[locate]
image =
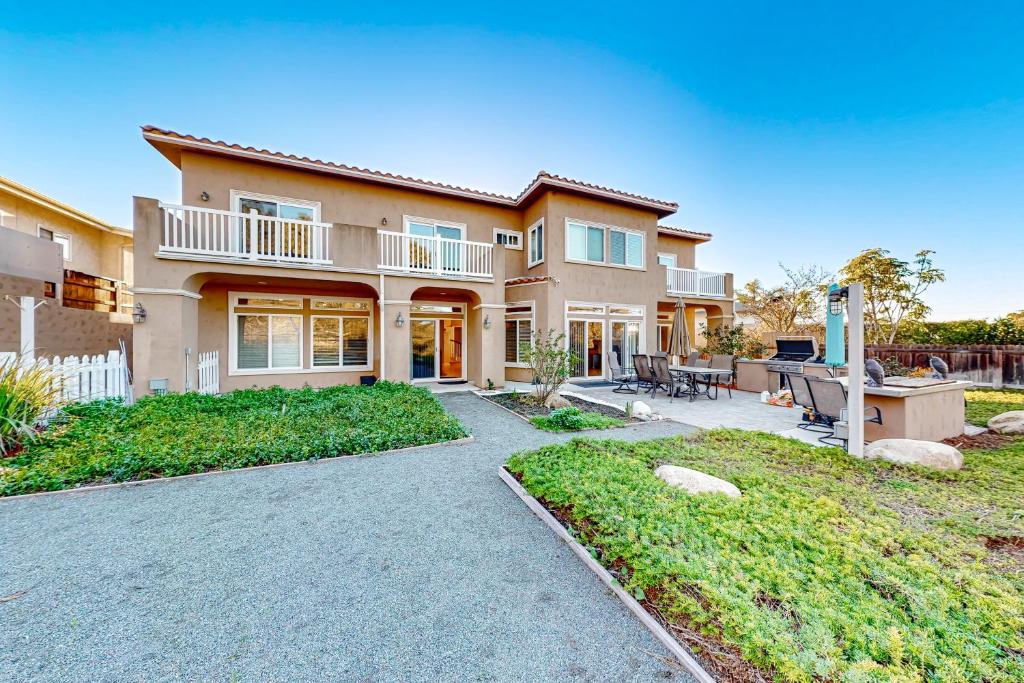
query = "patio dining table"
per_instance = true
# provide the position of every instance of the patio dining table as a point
(690, 372)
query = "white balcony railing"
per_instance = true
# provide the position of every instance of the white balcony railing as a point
(689, 282)
(191, 230)
(435, 255)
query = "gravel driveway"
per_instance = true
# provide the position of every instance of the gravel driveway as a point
(415, 566)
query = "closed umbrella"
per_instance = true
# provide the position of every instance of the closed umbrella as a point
(679, 339)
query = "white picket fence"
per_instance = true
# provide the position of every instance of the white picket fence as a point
(87, 378)
(209, 373)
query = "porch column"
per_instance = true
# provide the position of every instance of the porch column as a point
(486, 350)
(394, 345)
(161, 342)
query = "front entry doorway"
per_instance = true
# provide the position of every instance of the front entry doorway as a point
(437, 345)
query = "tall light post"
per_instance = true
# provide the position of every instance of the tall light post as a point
(854, 296)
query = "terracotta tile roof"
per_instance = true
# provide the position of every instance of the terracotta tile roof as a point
(526, 280)
(157, 136)
(683, 232)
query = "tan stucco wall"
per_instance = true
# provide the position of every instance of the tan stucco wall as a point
(93, 251)
(684, 249)
(26, 256)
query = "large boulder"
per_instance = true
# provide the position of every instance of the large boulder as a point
(641, 410)
(938, 456)
(556, 401)
(1011, 422)
(693, 481)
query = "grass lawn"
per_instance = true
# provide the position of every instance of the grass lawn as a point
(106, 441)
(984, 404)
(827, 568)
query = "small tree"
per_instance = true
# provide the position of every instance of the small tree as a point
(792, 307)
(732, 341)
(892, 290)
(551, 361)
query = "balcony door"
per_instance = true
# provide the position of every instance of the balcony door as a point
(273, 237)
(426, 253)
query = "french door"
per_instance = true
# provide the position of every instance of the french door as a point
(626, 342)
(437, 349)
(586, 340)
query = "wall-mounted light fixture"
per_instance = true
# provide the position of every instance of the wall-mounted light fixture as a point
(139, 313)
(384, 220)
(205, 196)
(487, 322)
(399, 320)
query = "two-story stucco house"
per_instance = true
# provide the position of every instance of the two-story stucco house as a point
(298, 271)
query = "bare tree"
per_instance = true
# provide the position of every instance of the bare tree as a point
(794, 306)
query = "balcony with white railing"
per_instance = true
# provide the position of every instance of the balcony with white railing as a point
(196, 232)
(437, 256)
(690, 282)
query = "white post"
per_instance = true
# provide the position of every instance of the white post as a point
(28, 329)
(253, 250)
(855, 307)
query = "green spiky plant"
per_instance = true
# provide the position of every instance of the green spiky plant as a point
(27, 391)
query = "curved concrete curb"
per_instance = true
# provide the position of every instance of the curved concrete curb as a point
(691, 665)
(212, 473)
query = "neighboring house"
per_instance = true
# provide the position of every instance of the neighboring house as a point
(79, 265)
(298, 271)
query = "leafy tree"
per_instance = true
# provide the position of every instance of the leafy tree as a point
(1017, 317)
(892, 290)
(732, 341)
(551, 361)
(792, 307)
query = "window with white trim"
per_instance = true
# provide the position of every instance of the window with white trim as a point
(426, 227)
(510, 239)
(603, 244)
(276, 207)
(59, 238)
(535, 242)
(518, 332)
(668, 260)
(341, 333)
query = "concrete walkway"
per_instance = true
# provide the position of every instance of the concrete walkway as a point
(414, 566)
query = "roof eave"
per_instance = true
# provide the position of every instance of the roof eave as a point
(51, 204)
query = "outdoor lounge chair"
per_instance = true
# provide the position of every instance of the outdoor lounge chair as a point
(802, 397)
(830, 403)
(663, 377)
(720, 361)
(644, 376)
(623, 379)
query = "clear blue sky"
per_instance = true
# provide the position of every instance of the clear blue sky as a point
(795, 133)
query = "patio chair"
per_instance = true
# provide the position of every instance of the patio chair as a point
(722, 361)
(644, 376)
(663, 377)
(623, 379)
(692, 359)
(829, 399)
(659, 354)
(802, 397)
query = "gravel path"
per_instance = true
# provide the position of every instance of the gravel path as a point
(415, 566)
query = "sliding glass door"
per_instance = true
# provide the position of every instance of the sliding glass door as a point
(586, 340)
(424, 353)
(626, 342)
(437, 348)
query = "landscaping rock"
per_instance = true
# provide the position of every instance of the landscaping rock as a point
(1011, 422)
(556, 401)
(693, 481)
(641, 410)
(938, 456)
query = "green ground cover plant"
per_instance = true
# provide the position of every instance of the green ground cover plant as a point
(573, 419)
(984, 404)
(162, 436)
(828, 568)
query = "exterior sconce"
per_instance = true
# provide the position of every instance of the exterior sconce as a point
(487, 322)
(138, 313)
(205, 196)
(399, 320)
(835, 300)
(384, 220)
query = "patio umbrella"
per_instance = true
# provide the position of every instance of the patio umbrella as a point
(679, 339)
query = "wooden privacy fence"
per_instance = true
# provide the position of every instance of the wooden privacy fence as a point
(87, 378)
(209, 373)
(994, 365)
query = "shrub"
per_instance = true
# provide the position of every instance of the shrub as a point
(551, 361)
(26, 392)
(732, 340)
(162, 436)
(1008, 330)
(572, 419)
(569, 418)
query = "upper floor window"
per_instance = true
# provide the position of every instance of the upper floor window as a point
(425, 227)
(277, 207)
(510, 239)
(63, 240)
(595, 243)
(667, 260)
(535, 241)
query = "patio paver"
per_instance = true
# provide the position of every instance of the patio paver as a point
(413, 566)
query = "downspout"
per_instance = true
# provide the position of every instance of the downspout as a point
(380, 317)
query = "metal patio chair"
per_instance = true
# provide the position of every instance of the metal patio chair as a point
(802, 397)
(663, 377)
(830, 402)
(623, 379)
(644, 376)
